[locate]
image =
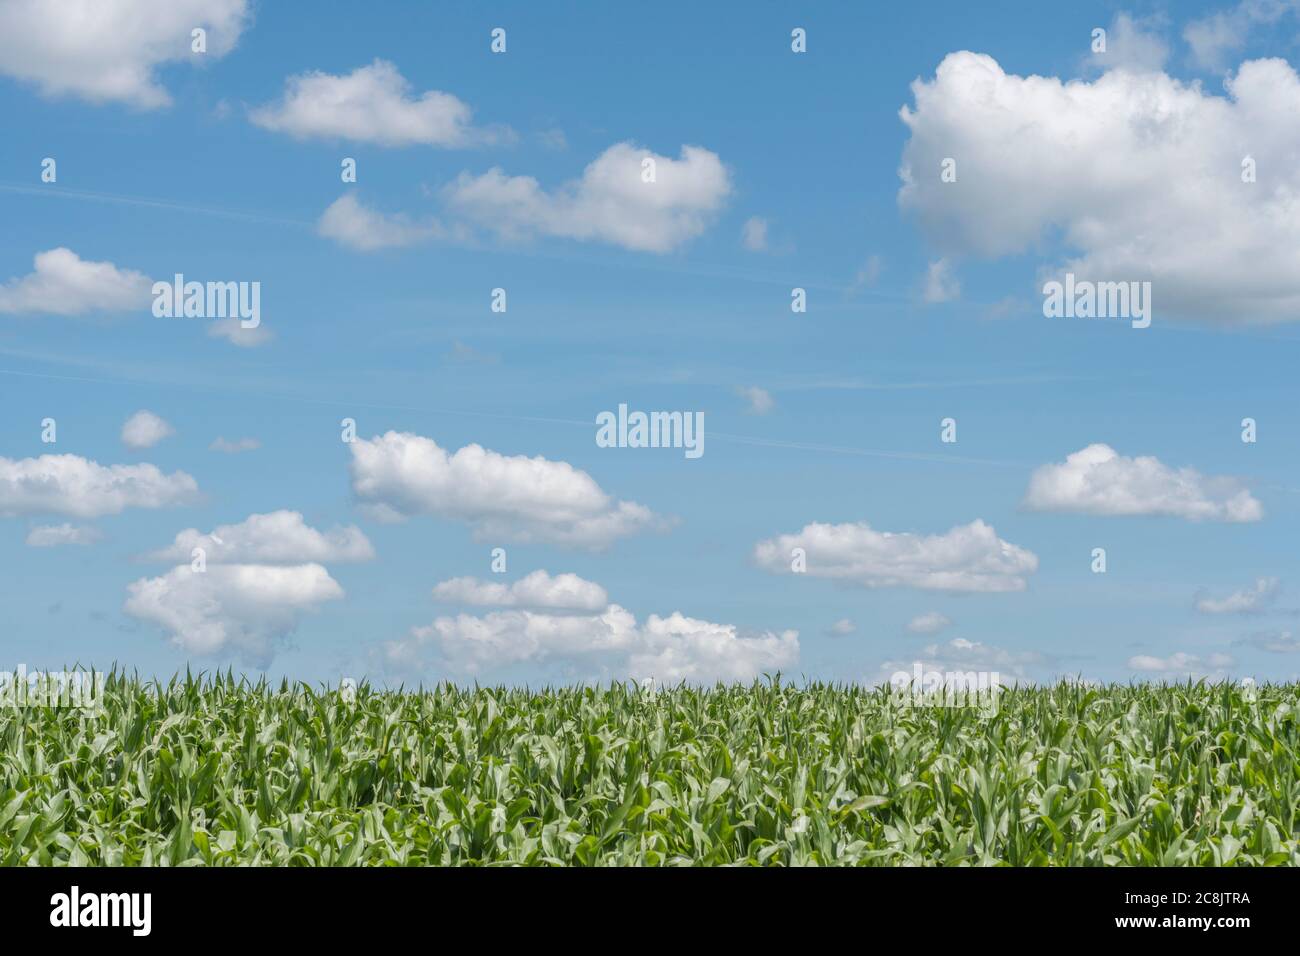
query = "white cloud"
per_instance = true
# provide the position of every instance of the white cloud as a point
(1247, 601)
(962, 656)
(609, 644)
(351, 223)
(753, 234)
(1098, 480)
(512, 497)
(940, 284)
(1183, 665)
(1132, 45)
(232, 330)
(51, 536)
(372, 104)
(610, 203)
(76, 486)
(967, 558)
(1216, 37)
(144, 429)
(279, 537)
(1147, 186)
(842, 627)
(932, 622)
(231, 609)
(65, 284)
(1275, 642)
(759, 399)
(109, 50)
(234, 447)
(536, 590)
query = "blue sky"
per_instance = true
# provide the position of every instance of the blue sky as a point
(922, 305)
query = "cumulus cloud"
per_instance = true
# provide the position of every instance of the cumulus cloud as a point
(351, 223)
(759, 399)
(1183, 665)
(65, 284)
(372, 104)
(398, 475)
(967, 558)
(607, 644)
(536, 590)
(962, 656)
(234, 447)
(54, 535)
(109, 50)
(278, 537)
(144, 429)
(1137, 174)
(1132, 44)
(1246, 601)
(932, 622)
(1098, 480)
(81, 488)
(243, 610)
(753, 234)
(610, 203)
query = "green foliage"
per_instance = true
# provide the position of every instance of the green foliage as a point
(218, 772)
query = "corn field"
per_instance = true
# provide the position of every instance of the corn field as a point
(218, 771)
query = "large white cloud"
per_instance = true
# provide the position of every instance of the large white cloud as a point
(1137, 174)
(279, 537)
(608, 644)
(1098, 480)
(144, 429)
(967, 558)
(76, 486)
(372, 104)
(611, 202)
(535, 590)
(398, 475)
(242, 610)
(65, 284)
(109, 50)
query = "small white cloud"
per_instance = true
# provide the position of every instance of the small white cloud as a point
(279, 537)
(1133, 44)
(842, 627)
(144, 429)
(967, 558)
(1183, 665)
(351, 223)
(51, 536)
(612, 202)
(536, 590)
(932, 622)
(1275, 642)
(81, 488)
(372, 104)
(234, 447)
(940, 283)
(65, 284)
(1098, 480)
(959, 657)
(759, 399)
(399, 475)
(753, 234)
(233, 331)
(1246, 601)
